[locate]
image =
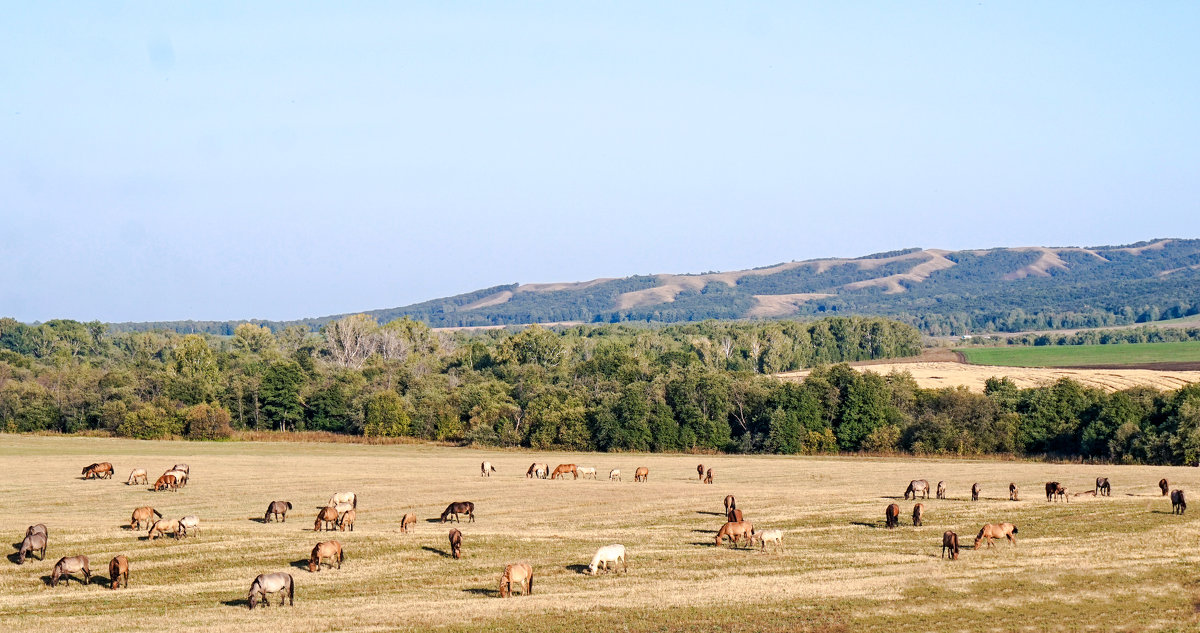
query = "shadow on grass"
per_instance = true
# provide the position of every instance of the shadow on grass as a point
(71, 579)
(261, 520)
(437, 551)
(479, 591)
(579, 569)
(300, 564)
(434, 521)
(1161, 512)
(711, 514)
(240, 602)
(873, 526)
(16, 556)
(704, 531)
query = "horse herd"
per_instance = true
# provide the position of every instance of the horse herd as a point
(538, 470)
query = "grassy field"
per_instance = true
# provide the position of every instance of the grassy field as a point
(1119, 563)
(1085, 355)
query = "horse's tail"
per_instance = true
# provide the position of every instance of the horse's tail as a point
(531, 581)
(1014, 529)
(354, 501)
(156, 513)
(291, 591)
(289, 504)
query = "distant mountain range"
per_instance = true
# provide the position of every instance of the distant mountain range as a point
(939, 291)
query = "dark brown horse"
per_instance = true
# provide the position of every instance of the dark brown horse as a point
(1164, 486)
(277, 510)
(1052, 490)
(891, 516)
(102, 470)
(730, 503)
(563, 469)
(918, 514)
(329, 516)
(1012, 492)
(1178, 503)
(975, 490)
(68, 565)
(118, 568)
(734, 516)
(950, 543)
(700, 471)
(1103, 488)
(455, 543)
(708, 476)
(464, 507)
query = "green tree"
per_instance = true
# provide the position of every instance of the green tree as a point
(385, 414)
(281, 403)
(196, 375)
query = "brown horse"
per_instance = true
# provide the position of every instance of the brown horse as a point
(1012, 492)
(516, 575)
(708, 476)
(975, 490)
(163, 527)
(950, 543)
(700, 471)
(68, 565)
(144, 514)
(329, 516)
(736, 531)
(347, 519)
(941, 490)
(641, 474)
(995, 531)
(407, 522)
(730, 503)
(465, 507)
(891, 516)
(1052, 488)
(118, 568)
(277, 510)
(918, 513)
(1164, 486)
(537, 469)
(33, 542)
(563, 469)
(1103, 488)
(1178, 503)
(734, 516)
(331, 550)
(102, 470)
(455, 543)
(167, 482)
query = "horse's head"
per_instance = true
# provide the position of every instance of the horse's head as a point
(313, 562)
(252, 600)
(978, 540)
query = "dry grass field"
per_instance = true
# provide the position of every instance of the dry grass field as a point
(938, 374)
(1095, 564)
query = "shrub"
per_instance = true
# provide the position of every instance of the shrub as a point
(150, 423)
(207, 422)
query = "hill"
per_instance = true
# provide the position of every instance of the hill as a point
(941, 292)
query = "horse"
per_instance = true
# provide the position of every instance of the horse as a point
(941, 490)
(347, 518)
(1012, 492)
(607, 557)
(539, 470)
(40, 528)
(407, 522)
(730, 503)
(700, 471)
(614, 474)
(1061, 492)
(518, 575)
(708, 476)
(344, 497)
(166, 482)
(135, 475)
(891, 516)
(68, 565)
(736, 531)
(187, 470)
(118, 568)
(266, 584)
(641, 474)
(917, 487)
(181, 476)
(1178, 503)
(102, 470)
(189, 522)
(35, 542)
(733, 516)
(1162, 485)
(918, 513)
(455, 543)
(459, 506)
(950, 543)
(343, 508)
(327, 515)
(162, 527)
(584, 472)
(144, 514)
(995, 531)
(1051, 490)
(1103, 488)
(563, 469)
(975, 490)
(277, 510)
(327, 549)
(769, 536)
(486, 469)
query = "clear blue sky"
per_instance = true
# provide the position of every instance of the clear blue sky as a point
(210, 160)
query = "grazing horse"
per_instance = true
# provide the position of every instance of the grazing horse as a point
(891, 516)
(614, 474)
(68, 565)
(1163, 485)
(188, 523)
(700, 472)
(769, 536)
(1178, 503)
(187, 470)
(1051, 490)
(950, 543)
(455, 543)
(941, 490)
(708, 476)
(266, 584)
(585, 472)
(733, 516)
(181, 476)
(40, 528)
(975, 490)
(35, 542)
(516, 575)
(486, 469)
(607, 558)
(407, 522)
(1062, 495)
(539, 470)
(102, 470)
(144, 514)
(641, 474)
(162, 527)
(277, 510)
(918, 513)
(730, 503)
(166, 482)
(563, 469)
(344, 497)
(331, 550)
(1012, 492)
(736, 531)
(347, 518)
(465, 507)
(118, 568)
(137, 475)
(329, 516)
(995, 531)
(1103, 488)
(917, 487)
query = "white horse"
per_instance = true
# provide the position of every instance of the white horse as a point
(343, 508)
(584, 472)
(267, 584)
(614, 474)
(135, 475)
(769, 536)
(607, 556)
(187, 523)
(344, 497)
(486, 469)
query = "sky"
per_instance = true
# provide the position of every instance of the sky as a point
(229, 160)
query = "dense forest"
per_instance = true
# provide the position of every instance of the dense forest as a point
(693, 387)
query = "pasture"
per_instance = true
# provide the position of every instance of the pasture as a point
(1117, 563)
(1132, 354)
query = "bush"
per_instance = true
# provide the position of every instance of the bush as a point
(385, 415)
(207, 422)
(150, 423)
